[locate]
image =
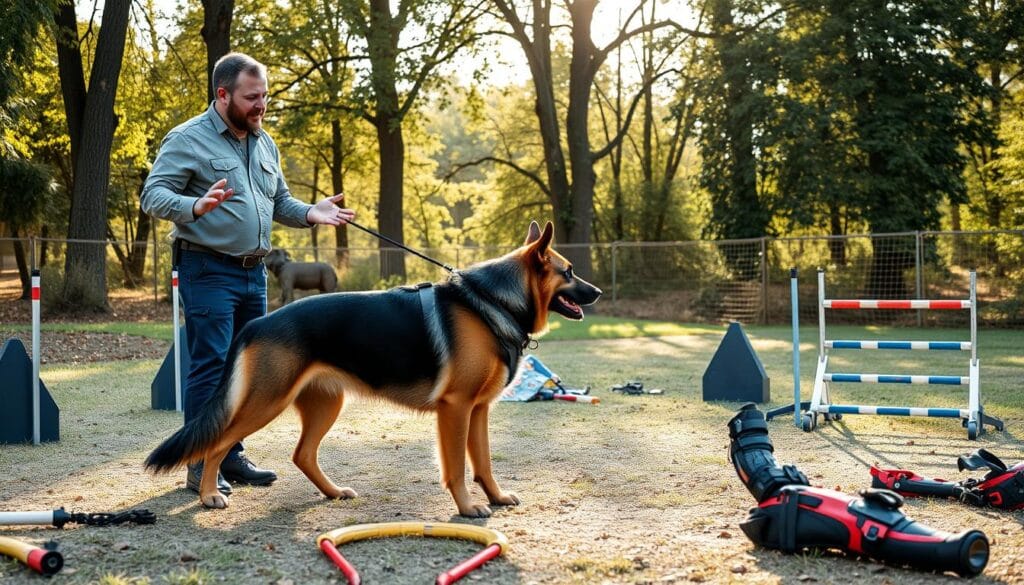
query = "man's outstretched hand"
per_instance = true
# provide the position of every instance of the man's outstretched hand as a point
(326, 212)
(213, 198)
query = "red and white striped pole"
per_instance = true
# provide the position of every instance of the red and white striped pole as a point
(36, 350)
(177, 346)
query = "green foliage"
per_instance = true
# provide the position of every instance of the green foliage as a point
(854, 111)
(740, 71)
(21, 23)
(24, 187)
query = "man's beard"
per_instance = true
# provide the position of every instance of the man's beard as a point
(239, 119)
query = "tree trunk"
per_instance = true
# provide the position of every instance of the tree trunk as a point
(85, 281)
(383, 48)
(579, 216)
(538, 56)
(44, 246)
(314, 194)
(23, 273)
(389, 209)
(140, 244)
(836, 246)
(750, 220)
(341, 253)
(137, 252)
(72, 78)
(216, 31)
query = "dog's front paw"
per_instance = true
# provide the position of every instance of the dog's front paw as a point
(341, 494)
(215, 500)
(475, 511)
(505, 499)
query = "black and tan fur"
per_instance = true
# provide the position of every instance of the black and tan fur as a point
(449, 349)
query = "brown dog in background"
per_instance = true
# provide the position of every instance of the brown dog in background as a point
(448, 348)
(299, 275)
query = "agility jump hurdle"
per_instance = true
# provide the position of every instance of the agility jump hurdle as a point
(972, 417)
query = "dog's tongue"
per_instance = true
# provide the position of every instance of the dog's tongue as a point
(576, 308)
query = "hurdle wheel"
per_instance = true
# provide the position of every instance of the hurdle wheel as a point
(809, 421)
(972, 430)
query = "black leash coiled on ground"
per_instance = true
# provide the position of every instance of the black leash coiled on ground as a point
(104, 518)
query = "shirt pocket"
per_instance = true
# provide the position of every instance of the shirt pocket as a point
(226, 168)
(269, 178)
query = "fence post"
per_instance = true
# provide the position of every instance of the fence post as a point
(918, 268)
(764, 280)
(615, 246)
(34, 264)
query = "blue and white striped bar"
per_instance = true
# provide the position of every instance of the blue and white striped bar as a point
(896, 411)
(898, 379)
(926, 345)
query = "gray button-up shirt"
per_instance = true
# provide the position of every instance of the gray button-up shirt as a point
(200, 152)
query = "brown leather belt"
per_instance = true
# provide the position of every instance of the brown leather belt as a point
(247, 261)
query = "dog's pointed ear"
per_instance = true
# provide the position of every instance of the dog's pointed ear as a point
(532, 234)
(542, 241)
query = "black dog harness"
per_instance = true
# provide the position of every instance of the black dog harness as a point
(512, 349)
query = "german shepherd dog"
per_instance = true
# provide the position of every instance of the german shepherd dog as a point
(448, 348)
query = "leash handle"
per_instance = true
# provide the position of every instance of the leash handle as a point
(400, 245)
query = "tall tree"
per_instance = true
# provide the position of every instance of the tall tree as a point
(645, 190)
(443, 30)
(312, 87)
(91, 123)
(570, 176)
(883, 87)
(999, 44)
(216, 31)
(742, 64)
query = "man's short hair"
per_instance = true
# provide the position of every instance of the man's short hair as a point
(227, 69)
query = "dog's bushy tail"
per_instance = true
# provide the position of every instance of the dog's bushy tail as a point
(192, 441)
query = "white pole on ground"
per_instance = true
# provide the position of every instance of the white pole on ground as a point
(177, 346)
(796, 346)
(26, 518)
(36, 350)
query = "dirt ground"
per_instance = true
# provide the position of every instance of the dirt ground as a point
(635, 490)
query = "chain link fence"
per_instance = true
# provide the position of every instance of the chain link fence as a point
(694, 281)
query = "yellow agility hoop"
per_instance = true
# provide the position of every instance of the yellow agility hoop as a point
(495, 543)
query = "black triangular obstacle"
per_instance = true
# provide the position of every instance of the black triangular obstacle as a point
(735, 372)
(161, 391)
(16, 398)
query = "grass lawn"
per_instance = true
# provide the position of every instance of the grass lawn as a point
(634, 490)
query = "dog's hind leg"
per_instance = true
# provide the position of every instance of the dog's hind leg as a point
(453, 433)
(265, 380)
(479, 449)
(209, 495)
(318, 407)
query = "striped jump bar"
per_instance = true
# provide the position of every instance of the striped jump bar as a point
(898, 379)
(897, 411)
(928, 345)
(915, 304)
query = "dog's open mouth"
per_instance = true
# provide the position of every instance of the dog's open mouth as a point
(566, 307)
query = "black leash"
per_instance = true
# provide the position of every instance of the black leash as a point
(109, 519)
(400, 245)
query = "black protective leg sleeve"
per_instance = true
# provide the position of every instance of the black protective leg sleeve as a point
(908, 483)
(793, 516)
(1002, 486)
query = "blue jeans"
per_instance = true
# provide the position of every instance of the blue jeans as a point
(219, 298)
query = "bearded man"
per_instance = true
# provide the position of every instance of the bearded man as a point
(218, 178)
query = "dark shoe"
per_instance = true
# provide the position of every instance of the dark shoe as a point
(195, 474)
(239, 469)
